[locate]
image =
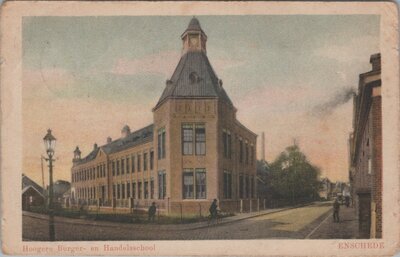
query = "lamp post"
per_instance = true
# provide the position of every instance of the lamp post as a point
(50, 144)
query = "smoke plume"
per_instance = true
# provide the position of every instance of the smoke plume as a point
(328, 107)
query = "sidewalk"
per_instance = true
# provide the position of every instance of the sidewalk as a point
(347, 228)
(159, 227)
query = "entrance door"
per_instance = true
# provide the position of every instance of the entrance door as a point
(364, 215)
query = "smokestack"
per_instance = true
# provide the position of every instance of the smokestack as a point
(262, 146)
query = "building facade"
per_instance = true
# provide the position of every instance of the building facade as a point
(195, 150)
(366, 152)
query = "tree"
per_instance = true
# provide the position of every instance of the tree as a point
(292, 178)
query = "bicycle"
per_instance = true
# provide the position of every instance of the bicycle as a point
(213, 220)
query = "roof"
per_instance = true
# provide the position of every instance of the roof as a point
(135, 138)
(27, 182)
(194, 25)
(194, 77)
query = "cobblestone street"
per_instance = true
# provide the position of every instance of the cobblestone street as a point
(304, 222)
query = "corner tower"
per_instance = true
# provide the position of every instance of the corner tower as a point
(190, 120)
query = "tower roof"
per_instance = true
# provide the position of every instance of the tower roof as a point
(194, 25)
(194, 76)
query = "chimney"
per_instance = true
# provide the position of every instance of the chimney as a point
(95, 146)
(262, 146)
(375, 60)
(109, 140)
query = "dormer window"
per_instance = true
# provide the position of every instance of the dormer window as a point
(194, 78)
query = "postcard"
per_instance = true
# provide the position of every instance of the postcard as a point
(200, 128)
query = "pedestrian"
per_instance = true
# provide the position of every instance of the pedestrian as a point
(347, 200)
(336, 208)
(152, 212)
(213, 209)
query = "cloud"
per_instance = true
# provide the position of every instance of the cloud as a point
(353, 50)
(160, 63)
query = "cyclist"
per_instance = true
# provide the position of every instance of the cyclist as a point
(214, 209)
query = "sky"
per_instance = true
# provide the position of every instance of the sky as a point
(290, 77)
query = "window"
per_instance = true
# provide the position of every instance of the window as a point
(97, 171)
(127, 165)
(144, 161)
(152, 188)
(226, 140)
(247, 187)
(104, 170)
(118, 191)
(194, 184)
(123, 166)
(200, 139)
(133, 163)
(193, 133)
(138, 163)
(241, 186)
(162, 185)
(201, 183)
(151, 160)
(187, 139)
(123, 191)
(247, 153)
(240, 150)
(133, 190)
(188, 184)
(252, 187)
(139, 190)
(146, 190)
(369, 165)
(161, 143)
(227, 185)
(118, 167)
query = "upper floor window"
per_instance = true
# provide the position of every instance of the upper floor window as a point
(247, 153)
(113, 168)
(151, 160)
(193, 138)
(138, 163)
(122, 166)
(145, 161)
(226, 140)
(161, 143)
(133, 163)
(187, 139)
(240, 150)
(127, 165)
(200, 139)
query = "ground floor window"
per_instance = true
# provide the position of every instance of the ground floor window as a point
(227, 185)
(241, 186)
(162, 185)
(128, 190)
(152, 189)
(114, 193)
(123, 191)
(133, 190)
(247, 187)
(194, 184)
(139, 190)
(146, 190)
(118, 191)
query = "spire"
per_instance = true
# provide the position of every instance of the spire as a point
(194, 75)
(193, 38)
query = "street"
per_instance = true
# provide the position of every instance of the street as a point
(312, 221)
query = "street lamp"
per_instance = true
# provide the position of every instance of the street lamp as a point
(50, 144)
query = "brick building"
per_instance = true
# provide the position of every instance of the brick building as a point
(366, 152)
(195, 150)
